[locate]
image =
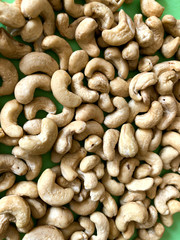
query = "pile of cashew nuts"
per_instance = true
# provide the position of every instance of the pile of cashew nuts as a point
(107, 179)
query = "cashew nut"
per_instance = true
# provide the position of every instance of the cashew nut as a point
(84, 208)
(99, 82)
(79, 56)
(171, 25)
(170, 46)
(151, 8)
(146, 63)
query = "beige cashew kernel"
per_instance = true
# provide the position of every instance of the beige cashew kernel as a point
(73, 227)
(73, 9)
(113, 5)
(110, 207)
(170, 46)
(110, 139)
(99, 82)
(85, 36)
(155, 232)
(98, 193)
(135, 108)
(24, 90)
(143, 138)
(7, 180)
(129, 196)
(131, 51)
(113, 231)
(170, 179)
(79, 235)
(56, 4)
(122, 33)
(146, 63)
(9, 115)
(87, 224)
(171, 25)
(84, 208)
(59, 85)
(33, 126)
(119, 87)
(75, 184)
(151, 8)
(143, 184)
(37, 206)
(61, 47)
(105, 103)
(171, 139)
(79, 56)
(89, 178)
(113, 167)
(89, 162)
(151, 193)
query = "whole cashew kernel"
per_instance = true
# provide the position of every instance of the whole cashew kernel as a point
(170, 179)
(146, 63)
(153, 233)
(171, 139)
(87, 224)
(7, 180)
(170, 46)
(171, 25)
(110, 139)
(73, 9)
(79, 56)
(99, 82)
(84, 208)
(37, 206)
(135, 108)
(88, 163)
(151, 8)
(119, 87)
(105, 103)
(143, 184)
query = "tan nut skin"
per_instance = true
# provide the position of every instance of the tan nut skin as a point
(102, 226)
(146, 63)
(131, 211)
(163, 196)
(56, 4)
(11, 16)
(18, 208)
(9, 115)
(172, 139)
(42, 143)
(85, 36)
(61, 47)
(44, 232)
(84, 208)
(156, 26)
(34, 163)
(99, 82)
(127, 144)
(135, 108)
(87, 112)
(77, 87)
(63, 118)
(171, 25)
(79, 56)
(143, 35)
(9, 76)
(65, 28)
(37, 206)
(119, 87)
(120, 115)
(11, 48)
(101, 12)
(122, 33)
(151, 8)
(59, 217)
(114, 56)
(64, 140)
(110, 140)
(100, 65)
(59, 84)
(50, 192)
(38, 62)
(7, 180)
(43, 8)
(140, 82)
(170, 46)
(151, 118)
(92, 127)
(170, 110)
(24, 90)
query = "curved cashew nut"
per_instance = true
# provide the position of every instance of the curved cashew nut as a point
(119, 87)
(151, 118)
(110, 140)
(89, 111)
(30, 83)
(59, 85)
(170, 46)
(143, 184)
(87, 224)
(114, 56)
(122, 33)
(135, 108)
(101, 12)
(105, 103)
(9, 115)
(151, 8)
(7, 180)
(61, 47)
(99, 82)
(73, 9)
(131, 211)
(11, 48)
(171, 139)
(59, 217)
(64, 27)
(79, 235)
(143, 35)
(146, 63)
(151, 193)
(37, 206)
(69, 163)
(89, 162)
(155, 233)
(79, 56)
(63, 118)
(38, 62)
(9, 76)
(33, 126)
(156, 27)
(170, 179)
(77, 87)
(110, 207)
(140, 82)
(73, 227)
(42, 143)
(102, 226)
(142, 171)
(120, 115)
(127, 144)
(171, 25)
(113, 166)
(34, 163)
(101, 65)
(163, 196)
(39, 103)
(85, 36)
(43, 232)
(98, 193)
(156, 140)
(43, 8)
(143, 138)
(64, 139)
(132, 197)
(85, 207)
(89, 178)
(75, 184)
(170, 109)
(18, 208)
(131, 51)
(175, 125)
(166, 66)
(24, 189)
(92, 127)
(50, 192)
(168, 154)
(11, 233)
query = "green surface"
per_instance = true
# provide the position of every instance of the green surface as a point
(171, 7)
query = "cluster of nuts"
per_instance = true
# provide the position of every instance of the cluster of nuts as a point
(102, 160)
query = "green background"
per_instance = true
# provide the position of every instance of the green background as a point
(171, 7)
